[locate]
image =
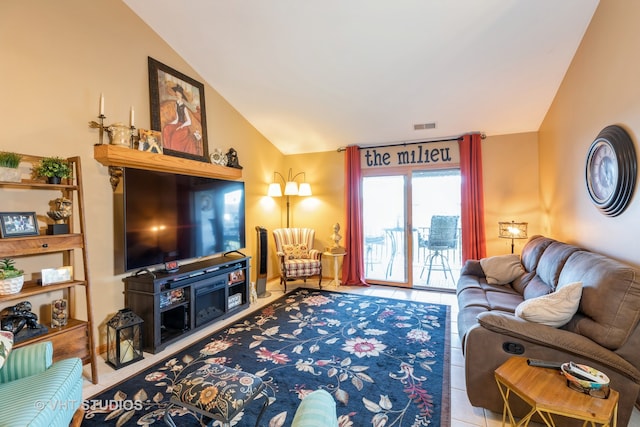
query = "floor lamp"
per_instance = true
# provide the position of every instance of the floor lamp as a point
(512, 230)
(291, 187)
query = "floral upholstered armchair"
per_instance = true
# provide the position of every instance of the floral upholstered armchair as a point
(297, 258)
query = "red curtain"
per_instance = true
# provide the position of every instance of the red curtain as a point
(472, 215)
(353, 263)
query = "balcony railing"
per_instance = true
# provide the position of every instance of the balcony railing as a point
(385, 260)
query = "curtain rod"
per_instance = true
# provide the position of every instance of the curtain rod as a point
(482, 136)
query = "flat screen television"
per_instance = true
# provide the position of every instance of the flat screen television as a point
(172, 217)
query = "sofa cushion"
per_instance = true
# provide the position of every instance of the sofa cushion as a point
(554, 309)
(610, 298)
(502, 269)
(548, 269)
(6, 344)
(552, 261)
(531, 253)
(536, 288)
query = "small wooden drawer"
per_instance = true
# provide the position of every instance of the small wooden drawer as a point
(74, 342)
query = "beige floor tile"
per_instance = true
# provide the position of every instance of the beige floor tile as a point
(461, 409)
(458, 423)
(492, 419)
(424, 296)
(455, 339)
(457, 359)
(495, 420)
(457, 377)
(449, 299)
(635, 418)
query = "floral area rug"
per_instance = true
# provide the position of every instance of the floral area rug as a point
(385, 362)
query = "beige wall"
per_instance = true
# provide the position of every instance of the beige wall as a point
(57, 57)
(601, 87)
(510, 174)
(324, 171)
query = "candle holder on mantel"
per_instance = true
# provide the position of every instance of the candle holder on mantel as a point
(119, 133)
(95, 125)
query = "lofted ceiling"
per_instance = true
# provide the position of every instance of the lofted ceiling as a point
(314, 75)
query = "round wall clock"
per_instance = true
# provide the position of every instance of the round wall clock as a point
(611, 170)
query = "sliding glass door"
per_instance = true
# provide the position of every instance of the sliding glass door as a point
(435, 207)
(400, 245)
(384, 219)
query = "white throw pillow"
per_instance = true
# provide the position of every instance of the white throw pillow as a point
(554, 309)
(502, 269)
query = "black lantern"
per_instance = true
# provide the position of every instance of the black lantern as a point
(124, 338)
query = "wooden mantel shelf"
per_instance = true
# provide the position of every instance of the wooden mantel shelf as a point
(113, 155)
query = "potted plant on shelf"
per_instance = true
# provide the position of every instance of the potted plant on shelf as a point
(11, 279)
(53, 168)
(9, 163)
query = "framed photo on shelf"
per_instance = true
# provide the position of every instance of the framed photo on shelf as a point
(56, 275)
(150, 141)
(178, 112)
(17, 224)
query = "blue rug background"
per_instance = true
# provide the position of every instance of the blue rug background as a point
(385, 361)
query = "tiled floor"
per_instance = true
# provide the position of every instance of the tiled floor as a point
(463, 414)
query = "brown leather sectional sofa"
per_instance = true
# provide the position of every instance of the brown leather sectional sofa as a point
(604, 333)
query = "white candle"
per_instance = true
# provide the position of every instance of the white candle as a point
(101, 104)
(126, 351)
(131, 118)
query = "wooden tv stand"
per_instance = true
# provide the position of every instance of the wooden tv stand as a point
(174, 305)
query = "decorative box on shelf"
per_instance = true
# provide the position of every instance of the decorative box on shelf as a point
(171, 297)
(234, 300)
(236, 276)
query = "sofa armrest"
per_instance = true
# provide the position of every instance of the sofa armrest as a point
(315, 254)
(558, 339)
(317, 409)
(472, 267)
(26, 361)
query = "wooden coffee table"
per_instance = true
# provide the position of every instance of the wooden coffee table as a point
(546, 391)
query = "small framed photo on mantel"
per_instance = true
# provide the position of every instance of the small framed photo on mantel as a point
(18, 224)
(150, 141)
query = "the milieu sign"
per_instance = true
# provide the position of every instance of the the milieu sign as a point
(425, 154)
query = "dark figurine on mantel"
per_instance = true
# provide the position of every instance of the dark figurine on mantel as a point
(16, 317)
(232, 159)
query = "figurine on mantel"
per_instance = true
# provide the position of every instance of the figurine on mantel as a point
(335, 238)
(232, 159)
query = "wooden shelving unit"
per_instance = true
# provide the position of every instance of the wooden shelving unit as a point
(76, 338)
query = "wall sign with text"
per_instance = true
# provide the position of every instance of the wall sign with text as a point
(425, 154)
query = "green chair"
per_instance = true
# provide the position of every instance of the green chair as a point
(317, 409)
(37, 392)
(443, 236)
